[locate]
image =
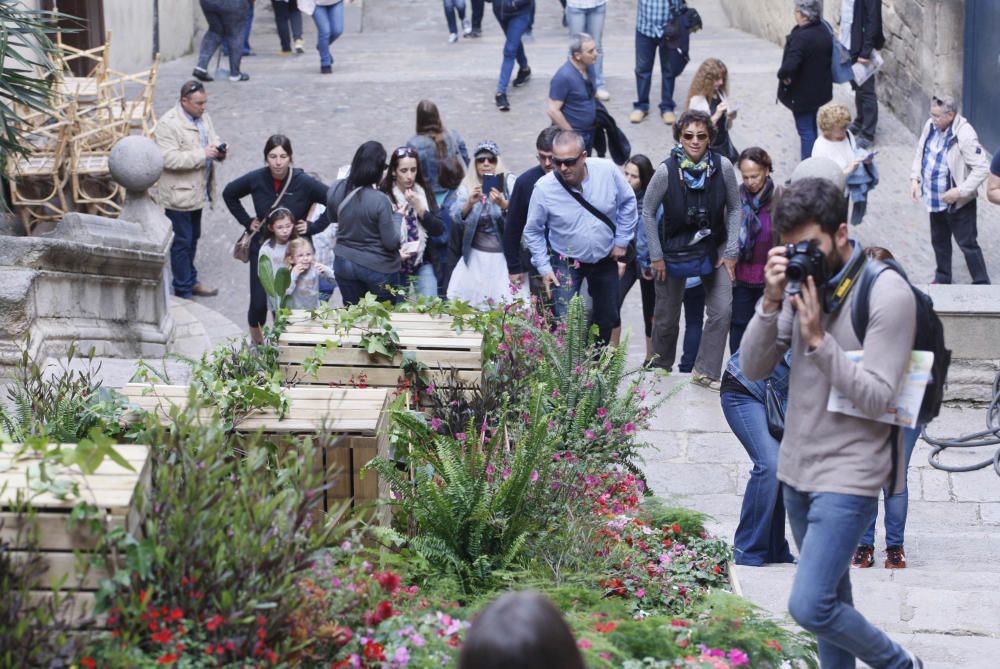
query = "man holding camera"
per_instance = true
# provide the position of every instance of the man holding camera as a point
(187, 138)
(831, 465)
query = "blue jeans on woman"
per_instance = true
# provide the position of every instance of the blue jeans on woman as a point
(760, 535)
(826, 527)
(225, 25)
(514, 28)
(694, 323)
(329, 20)
(355, 280)
(805, 125)
(451, 8)
(896, 505)
(645, 57)
(424, 280)
(590, 20)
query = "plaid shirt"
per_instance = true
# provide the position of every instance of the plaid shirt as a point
(652, 15)
(936, 177)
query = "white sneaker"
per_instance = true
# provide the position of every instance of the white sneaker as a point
(452, 38)
(603, 95)
(466, 27)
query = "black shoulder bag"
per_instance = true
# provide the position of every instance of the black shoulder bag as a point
(630, 250)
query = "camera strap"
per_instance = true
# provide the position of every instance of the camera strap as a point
(843, 288)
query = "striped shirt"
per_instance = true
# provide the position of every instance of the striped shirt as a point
(652, 15)
(936, 177)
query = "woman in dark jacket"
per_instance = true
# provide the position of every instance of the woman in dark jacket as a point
(368, 237)
(805, 76)
(264, 186)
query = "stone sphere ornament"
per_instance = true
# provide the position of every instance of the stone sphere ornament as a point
(136, 162)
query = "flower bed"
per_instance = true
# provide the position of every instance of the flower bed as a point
(532, 481)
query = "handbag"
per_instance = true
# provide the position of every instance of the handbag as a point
(691, 257)
(241, 250)
(630, 251)
(840, 66)
(775, 411)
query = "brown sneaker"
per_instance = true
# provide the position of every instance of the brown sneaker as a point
(864, 556)
(895, 557)
(201, 291)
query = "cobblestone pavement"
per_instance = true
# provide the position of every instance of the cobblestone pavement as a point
(943, 604)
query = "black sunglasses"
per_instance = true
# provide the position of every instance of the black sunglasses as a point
(567, 162)
(486, 159)
(702, 136)
(191, 87)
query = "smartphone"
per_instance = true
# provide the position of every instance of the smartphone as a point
(870, 155)
(222, 148)
(410, 247)
(491, 181)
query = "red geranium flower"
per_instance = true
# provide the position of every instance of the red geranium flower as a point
(388, 580)
(88, 662)
(169, 658)
(374, 651)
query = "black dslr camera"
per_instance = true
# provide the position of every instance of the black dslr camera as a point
(805, 259)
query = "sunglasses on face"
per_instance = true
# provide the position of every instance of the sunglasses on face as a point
(567, 162)
(700, 136)
(192, 87)
(486, 159)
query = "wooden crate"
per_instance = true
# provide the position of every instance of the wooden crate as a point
(354, 420)
(452, 358)
(113, 489)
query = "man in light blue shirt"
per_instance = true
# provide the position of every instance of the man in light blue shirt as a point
(583, 246)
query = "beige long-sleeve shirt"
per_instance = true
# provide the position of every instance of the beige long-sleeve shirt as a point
(824, 451)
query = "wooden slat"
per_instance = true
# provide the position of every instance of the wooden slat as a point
(60, 564)
(365, 486)
(406, 342)
(403, 330)
(354, 356)
(79, 609)
(273, 426)
(53, 531)
(373, 376)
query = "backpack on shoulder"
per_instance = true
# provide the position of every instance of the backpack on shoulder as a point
(841, 66)
(929, 334)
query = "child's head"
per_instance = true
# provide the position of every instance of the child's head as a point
(299, 252)
(520, 630)
(281, 225)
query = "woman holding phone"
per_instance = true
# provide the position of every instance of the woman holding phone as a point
(479, 213)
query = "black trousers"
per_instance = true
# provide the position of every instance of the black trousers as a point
(960, 224)
(867, 109)
(632, 274)
(287, 15)
(478, 7)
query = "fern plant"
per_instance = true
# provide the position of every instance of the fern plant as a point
(474, 498)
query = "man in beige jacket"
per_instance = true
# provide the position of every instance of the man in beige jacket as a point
(187, 138)
(949, 167)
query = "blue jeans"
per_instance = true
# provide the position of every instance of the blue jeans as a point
(694, 323)
(760, 535)
(645, 55)
(745, 297)
(513, 49)
(895, 505)
(602, 281)
(424, 280)
(827, 527)
(354, 281)
(246, 35)
(590, 21)
(805, 125)
(225, 24)
(451, 8)
(329, 20)
(187, 231)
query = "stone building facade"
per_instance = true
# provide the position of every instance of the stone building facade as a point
(923, 53)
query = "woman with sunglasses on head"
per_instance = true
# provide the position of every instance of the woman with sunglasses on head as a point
(479, 212)
(367, 252)
(419, 217)
(277, 184)
(698, 237)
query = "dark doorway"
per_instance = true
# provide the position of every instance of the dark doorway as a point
(86, 31)
(980, 92)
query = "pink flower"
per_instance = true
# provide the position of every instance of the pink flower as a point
(490, 469)
(601, 412)
(589, 435)
(628, 428)
(435, 424)
(738, 658)
(640, 593)
(583, 644)
(460, 436)
(555, 393)
(505, 474)
(534, 476)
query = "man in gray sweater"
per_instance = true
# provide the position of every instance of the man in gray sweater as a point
(832, 465)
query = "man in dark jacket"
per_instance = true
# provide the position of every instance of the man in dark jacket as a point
(861, 32)
(805, 75)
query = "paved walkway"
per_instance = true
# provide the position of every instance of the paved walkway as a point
(945, 605)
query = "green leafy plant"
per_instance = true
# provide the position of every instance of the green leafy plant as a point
(275, 283)
(472, 496)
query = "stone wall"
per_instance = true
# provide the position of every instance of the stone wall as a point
(131, 25)
(923, 53)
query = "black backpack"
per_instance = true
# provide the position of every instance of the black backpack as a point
(929, 334)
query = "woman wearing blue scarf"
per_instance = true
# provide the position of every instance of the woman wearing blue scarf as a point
(698, 238)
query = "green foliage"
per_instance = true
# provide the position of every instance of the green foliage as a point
(657, 514)
(223, 534)
(33, 631)
(275, 283)
(473, 496)
(61, 405)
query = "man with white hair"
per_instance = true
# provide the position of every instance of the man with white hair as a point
(949, 166)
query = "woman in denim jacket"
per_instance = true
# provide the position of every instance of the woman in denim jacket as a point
(760, 535)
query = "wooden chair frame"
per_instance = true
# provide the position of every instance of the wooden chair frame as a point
(45, 163)
(89, 150)
(138, 110)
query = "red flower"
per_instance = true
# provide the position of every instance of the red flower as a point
(163, 636)
(169, 658)
(214, 622)
(176, 614)
(374, 651)
(388, 580)
(88, 662)
(261, 620)
(210, 649)
(716, 569)
(605, 628)
(676, 528)
(272, 657)
(775, 645)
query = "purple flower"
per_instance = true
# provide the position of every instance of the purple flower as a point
(555, 393)
(628, 428)
(534, 475)
(505, 474)
(608, 427)
(589, 435)
(601, 412)
(435, 424)
(490, 469)
(460, 436)
(738, 658)
(431, 388)
(402, 657)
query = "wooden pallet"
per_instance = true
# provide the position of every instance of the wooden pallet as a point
(453, 358)
(113, 489)
(353, 423)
